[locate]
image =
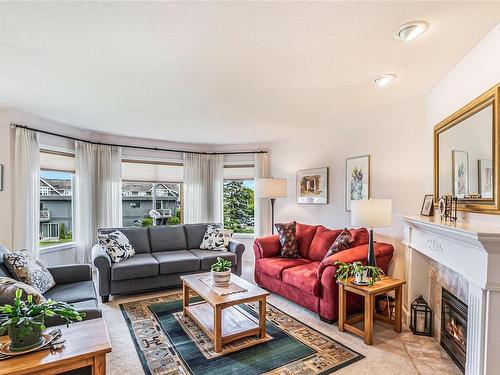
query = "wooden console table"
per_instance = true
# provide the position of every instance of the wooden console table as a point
(87, 344)
(386, 284)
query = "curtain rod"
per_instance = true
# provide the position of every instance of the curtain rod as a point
(136, 147)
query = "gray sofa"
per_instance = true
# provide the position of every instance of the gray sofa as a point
(163, 254)
(74, 285)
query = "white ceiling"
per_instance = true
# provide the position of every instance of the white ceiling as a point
(223, 73)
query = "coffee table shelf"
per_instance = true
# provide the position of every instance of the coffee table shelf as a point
(235, 322)
(220, 317)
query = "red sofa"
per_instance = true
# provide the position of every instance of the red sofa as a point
(310, 279)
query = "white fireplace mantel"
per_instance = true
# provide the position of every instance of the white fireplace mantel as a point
(473, 251)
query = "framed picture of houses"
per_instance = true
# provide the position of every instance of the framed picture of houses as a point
(357, 179)
(312, 186)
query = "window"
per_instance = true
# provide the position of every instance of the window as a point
(56, 207)
(148, 185)
(239, 205)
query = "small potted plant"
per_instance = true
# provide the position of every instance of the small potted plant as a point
(362, 275)
(221, 272)
(25, 320)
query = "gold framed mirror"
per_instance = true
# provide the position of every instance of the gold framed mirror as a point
(466, 155)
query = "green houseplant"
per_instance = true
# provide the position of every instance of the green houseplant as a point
(221, 272)
(361, 274)
(24, 320)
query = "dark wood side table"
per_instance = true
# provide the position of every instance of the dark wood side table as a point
(386, 284)
(87, 344)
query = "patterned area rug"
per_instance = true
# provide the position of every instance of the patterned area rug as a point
(169, 343)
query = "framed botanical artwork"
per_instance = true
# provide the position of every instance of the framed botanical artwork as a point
(485, 178)
(357, 179)
(312, 186)
(428, 205)
(460, 173)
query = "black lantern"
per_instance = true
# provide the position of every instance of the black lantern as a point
(421, 318)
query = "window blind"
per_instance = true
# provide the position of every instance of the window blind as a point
(53, 161)
(151, 172)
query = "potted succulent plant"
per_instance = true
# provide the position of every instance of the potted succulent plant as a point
(221, 272)
(24, 320)
(363, 275)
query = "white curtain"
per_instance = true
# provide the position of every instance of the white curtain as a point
(97, 193)
(27, 191)
(262, 206)
(203, 188)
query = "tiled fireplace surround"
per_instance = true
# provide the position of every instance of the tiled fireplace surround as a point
(464, 258)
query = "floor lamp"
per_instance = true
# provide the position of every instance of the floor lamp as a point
(271, 188)
(371, 213)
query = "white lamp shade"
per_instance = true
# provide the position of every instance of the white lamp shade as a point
(371, 213)
(271, 188)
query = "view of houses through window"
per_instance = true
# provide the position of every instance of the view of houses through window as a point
(145, 203)
(239, 205)
(56, 207)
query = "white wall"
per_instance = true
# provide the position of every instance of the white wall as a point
(475, 74)
(395, 138)
(6, 149)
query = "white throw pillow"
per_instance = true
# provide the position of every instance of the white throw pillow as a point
(216, 238)
(117, 245)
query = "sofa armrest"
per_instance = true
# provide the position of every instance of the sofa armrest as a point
(359, 253)
(102, 261)
(267, 247)
(71, 273)
(237, 248)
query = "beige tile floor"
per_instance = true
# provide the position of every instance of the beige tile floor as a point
(391, 353)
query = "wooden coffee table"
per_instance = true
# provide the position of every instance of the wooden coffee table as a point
(86, 345)
(219, 316)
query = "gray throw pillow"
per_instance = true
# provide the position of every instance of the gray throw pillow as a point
(29, 270)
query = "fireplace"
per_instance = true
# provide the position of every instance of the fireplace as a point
(454, 328)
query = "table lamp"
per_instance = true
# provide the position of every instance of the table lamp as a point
(371, 213)
(271, 188)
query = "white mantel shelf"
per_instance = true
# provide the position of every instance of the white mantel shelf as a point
(471, 249)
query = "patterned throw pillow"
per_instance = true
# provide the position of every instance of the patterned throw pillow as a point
(288, 240)
(342, 242)
(30, 271)
(116, 245)
(216, 238)
(8, 289)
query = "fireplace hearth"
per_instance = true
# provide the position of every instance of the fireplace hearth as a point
(454, 328)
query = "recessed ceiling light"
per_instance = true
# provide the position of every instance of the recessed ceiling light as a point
(385, 79)
(411, 30)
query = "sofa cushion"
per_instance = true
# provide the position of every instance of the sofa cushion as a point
(305, 234)
(30, 271)
(360, 236)
(209, 257)
(321, 242)
(275, 266)
(4, 271)
(167, 237)
(343, 241)
(138, 237)
(288, 239)
(176, 261)
(304, 277)
(116, 245)
(141, 265)
(73, 292)
(195, 233)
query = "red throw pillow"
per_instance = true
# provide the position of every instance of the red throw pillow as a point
(342, 242)
(288, 239)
